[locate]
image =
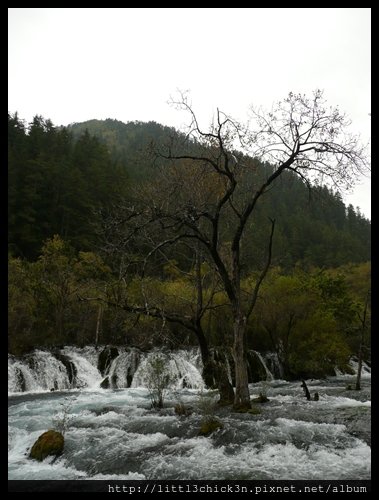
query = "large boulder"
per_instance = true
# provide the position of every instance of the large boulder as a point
(49, 443)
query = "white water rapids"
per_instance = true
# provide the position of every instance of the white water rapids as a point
(114, 434)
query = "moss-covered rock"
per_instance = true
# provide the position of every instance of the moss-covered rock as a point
(260, 399)
(49, 443)
(254, 410)
(241, 408)
(210, 425)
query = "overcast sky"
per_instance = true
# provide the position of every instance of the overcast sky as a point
(72, 65)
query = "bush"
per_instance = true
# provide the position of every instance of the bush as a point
(62, 419)
(158, 379)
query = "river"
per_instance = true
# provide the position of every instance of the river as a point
(114, 433)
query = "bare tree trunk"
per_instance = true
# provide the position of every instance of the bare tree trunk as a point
(242, 395)
(214, 374)
(224, 386)
(360, 353)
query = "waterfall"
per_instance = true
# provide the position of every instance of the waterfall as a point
(122, 367)
(85, 361)
(74, 368)
(181, 368)
(274, 365)
(20, 377)
(269, 375)
(39, 371)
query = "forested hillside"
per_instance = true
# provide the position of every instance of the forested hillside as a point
(56, 185)
(314, 226)
(67, 187)
(60, 178)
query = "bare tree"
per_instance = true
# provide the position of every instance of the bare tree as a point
(210, 186)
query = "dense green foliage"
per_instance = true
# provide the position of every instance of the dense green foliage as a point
(61, 283)
(311, 319)
(61, 178)
(57, 185)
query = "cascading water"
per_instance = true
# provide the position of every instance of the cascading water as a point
(269, 375)
(115, 434)
(77, 368)
(183, 366)
(123, 368)
(273, 364)
(39, 371)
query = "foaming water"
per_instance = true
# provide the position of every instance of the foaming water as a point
(114, 434)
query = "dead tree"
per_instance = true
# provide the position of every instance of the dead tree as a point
(299, 134)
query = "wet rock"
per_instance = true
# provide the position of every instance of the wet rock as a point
(241, 408)
(255, 369)
(49, 443)
(20, 380)
(306, 390)
(107, 355)
(210, 425)
(69, 365)
(262, 398)
(129, 377)
(254, 410)
(105, 383)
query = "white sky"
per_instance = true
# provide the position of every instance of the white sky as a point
(72, 65)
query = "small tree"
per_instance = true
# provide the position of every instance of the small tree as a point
(158, 379)
(207, 405)
(62, 419)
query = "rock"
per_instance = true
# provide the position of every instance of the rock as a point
(306, 391)
(49, 443)
(255, 369)
(254, 410)
(241, 408)
(21, 379)
(209, 425)
(260, 399)
(105, 383)
(69, 365)
(107, 355)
